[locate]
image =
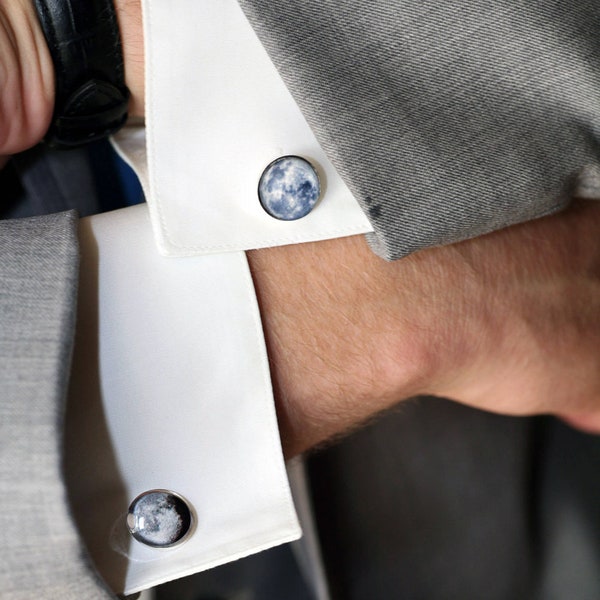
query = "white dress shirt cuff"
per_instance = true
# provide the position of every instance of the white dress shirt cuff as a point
(171, 390)
(217, 114)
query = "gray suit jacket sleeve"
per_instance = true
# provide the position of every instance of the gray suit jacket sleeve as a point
(447, 120)
(40, 550)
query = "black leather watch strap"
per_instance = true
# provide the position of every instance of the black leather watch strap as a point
(85, 45)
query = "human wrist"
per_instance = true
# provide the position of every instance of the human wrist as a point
(342, 340)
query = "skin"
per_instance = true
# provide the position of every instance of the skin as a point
(508, 322)
(26, 78)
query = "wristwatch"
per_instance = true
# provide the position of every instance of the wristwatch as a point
(85, 46)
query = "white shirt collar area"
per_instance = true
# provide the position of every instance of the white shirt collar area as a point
(170, 389)
(217, 114)
(173, 391)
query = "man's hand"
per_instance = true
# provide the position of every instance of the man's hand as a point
(509, 322)
(26, 78)
(27, 73)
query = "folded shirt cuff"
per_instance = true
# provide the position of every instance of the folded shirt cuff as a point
(217, 115)
(171, 390)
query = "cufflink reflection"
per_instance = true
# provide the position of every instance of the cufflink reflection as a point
(160, 519)
(289, 188)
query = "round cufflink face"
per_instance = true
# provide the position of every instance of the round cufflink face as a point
(289, 188)
(159, 518)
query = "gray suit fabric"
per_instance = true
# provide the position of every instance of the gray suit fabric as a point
(569, 494)
(446, 119)
(437, 501)
(437, 504)
(41, 551)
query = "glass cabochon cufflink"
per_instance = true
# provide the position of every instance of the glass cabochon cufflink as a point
(160, 519)
(289, 188)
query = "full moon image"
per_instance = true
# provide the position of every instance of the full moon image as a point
(159, 518)
(289, 188)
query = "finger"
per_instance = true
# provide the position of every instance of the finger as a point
(588, 423)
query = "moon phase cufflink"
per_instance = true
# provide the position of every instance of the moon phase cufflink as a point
(289, 188)
(159, 518)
